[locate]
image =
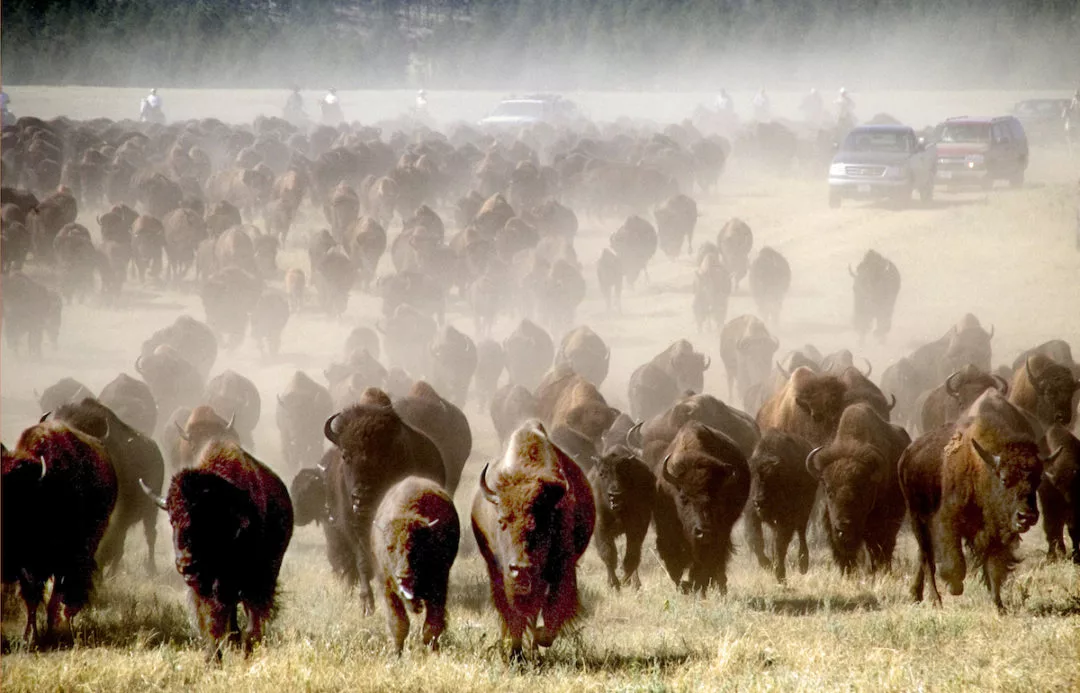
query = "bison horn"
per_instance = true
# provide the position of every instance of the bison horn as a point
(158, 500)
(489, 495)
(893, 405)
(330, 430)
(232, 420)
(708, 362)
(992, 460)
(181, 431)
(991, 336)
(869, 368)
(666, 473)
(1048, 459)
(849, 271)
(138, 365)
(786, 374)
(949, 388)
(44, 416)
(44, 467)
(810, 467)
(432, 523)
(632, 441)
(1031, 376)
(1002, 385)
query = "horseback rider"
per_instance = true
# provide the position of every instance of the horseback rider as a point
(294, 107)
(150, 108)
(812, 107)
(331, 108)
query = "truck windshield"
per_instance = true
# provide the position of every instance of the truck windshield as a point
(866, 141)
(965, 132)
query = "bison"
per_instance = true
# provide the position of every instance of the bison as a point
(770, 279)
(1059, 494)
(586, 353)
(735, 240)
(414, 539)
(441, 421)
(532, 522)
(63, 479)
(302, 409)
(511, 406)
(529, 352)
(232, 520)
(876, 286)
(623, 490)
(1046, 390)
(747, 349)
(703, 483)
(809, 406)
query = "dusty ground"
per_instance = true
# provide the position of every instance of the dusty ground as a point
(1008, 256)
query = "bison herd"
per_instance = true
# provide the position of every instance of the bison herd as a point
(377, 443)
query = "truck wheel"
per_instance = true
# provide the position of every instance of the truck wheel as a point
(834, 199)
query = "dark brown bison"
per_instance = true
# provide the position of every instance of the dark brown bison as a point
(586, 353)
(1046, 390)
(770, 279)
(414, 539)
(863, 502)
(974, 483)
(809, 406)
(235, 397)
(532, 519)
(686, 366)
(566, 399)
(623, 489)
(378, 449)
(712, 289)
(902, 381)
(965, 342)
(653, 436)
(946, 402)
(675, 221)
(735, 240)
(529, 352)
(511, 406)
(134, 456)
(781, 496)
(1059, 494)
(189, 337)
(702, 485)
(634, 244)
(63, 479)
(859, 388)
(302, 409)
(877, 284)
(268, 320)
(232, 520)
(441, 421)
(63, 391)
(609, 274)
(747, 349)
(28, 307)
(453, 362)
(1057, 350)
(132, 401)
(173, 381)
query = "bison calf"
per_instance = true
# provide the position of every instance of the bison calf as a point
(623, 490)
(1059, 494)
(414, 539)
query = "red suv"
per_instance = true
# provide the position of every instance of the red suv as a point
(981, 150)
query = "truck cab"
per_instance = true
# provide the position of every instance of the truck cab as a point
(881, 161)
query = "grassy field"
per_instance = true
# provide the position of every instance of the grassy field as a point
(1008, 256)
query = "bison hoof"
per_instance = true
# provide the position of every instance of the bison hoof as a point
(544, 637)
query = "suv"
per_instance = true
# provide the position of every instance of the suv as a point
(527, 110)
(876, 161)
(1041, 119)
(978, 151)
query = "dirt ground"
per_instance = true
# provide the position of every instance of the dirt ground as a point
(1008, 256)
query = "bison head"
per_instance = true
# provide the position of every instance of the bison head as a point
(1018, 467)
(1054, 387)
(820, 397)
(698, 480)
(308, 493)
(851, 475)
(966, 384)
(614, 477)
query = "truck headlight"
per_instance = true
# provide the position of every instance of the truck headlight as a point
(974, 160)
(837, 170)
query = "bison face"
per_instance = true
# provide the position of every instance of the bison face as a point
(528, 530)
(823, 402)
(850, 483)
(767, 482)
(1018, 467)
(698, 483)
(1054, 388)
(613, 478)
(592, 419)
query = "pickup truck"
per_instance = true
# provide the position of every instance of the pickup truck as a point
(881, 161)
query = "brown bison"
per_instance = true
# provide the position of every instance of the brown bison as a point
(703, 483)
(441, 421)
(566, 399)
(232, 520)
(863, 501)
(747, 349)
(652, 437)
(974, 483)
(378, 449)
(202, 426)
(511, 406)
(453, 362)
(809, 406)
(712, 289)
(529, 352)
(533, 521)
(623, 489)
(586, 353)
(1046, 390)
(877, 284)
(946, 402)
(859, 388)
(414, 539)
(1059, 494)
(782, 497)
(132, 401)
(770, 279)
(735, 240)
(61, 479)
(675, 221)
(302, 409)
(634, 244)
(236, 397)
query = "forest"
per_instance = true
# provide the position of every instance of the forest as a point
(549, 44)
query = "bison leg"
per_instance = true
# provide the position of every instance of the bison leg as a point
(953, 565)
(781, 539)
(926, 570)
(632, 558)
(213, 619)
(755, 539)
(397, 618)
(1053, 520)
(605, 546)
(561, 607)
(434, 624)
(150, 532)
(804, 551)
(32, 592)
(995, 570)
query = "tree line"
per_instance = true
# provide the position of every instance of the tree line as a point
(557, 44)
